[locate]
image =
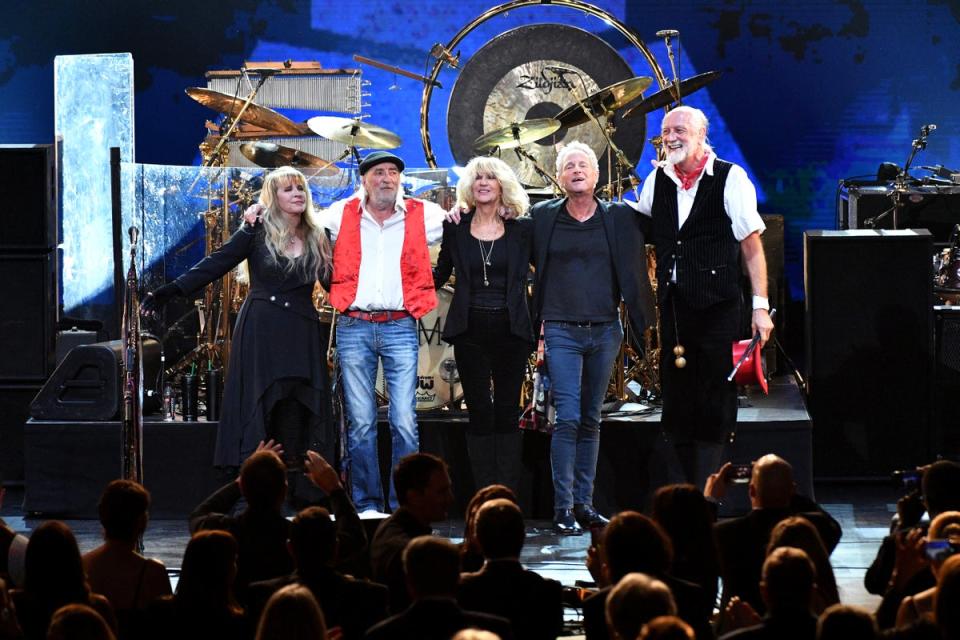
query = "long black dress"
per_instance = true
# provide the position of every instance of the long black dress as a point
(278, 348)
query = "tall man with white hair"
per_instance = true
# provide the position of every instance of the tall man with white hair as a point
(704, 217)
(588, 257)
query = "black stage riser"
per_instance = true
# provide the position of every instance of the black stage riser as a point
(69, 463)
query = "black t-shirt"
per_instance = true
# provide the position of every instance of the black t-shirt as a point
(579, 281)
(489, 292)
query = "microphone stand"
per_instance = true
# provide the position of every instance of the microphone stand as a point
(900, 182)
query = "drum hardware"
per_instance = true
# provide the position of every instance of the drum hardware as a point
(438, 382)
(516, 134)
(271, 155)
(901, 184)
(353, 132)
(666, 97)
(946, 282)
(442, 55)
(450, 375)
(606, 100)
(396, 70)
(238, 109)
(461, 150)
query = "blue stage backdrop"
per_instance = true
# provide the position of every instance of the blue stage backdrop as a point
(811, 92)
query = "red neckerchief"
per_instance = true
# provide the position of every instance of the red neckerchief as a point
(687, 180)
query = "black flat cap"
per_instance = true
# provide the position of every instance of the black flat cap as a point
(379, 157)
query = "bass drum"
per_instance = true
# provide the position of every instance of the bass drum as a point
(438, 382)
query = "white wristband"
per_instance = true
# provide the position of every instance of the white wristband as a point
(759, 302)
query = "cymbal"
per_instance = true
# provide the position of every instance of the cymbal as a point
(354, 133)
(517, 134)
(607, 99)
(666, 96)
(254, 114)
(270, 155)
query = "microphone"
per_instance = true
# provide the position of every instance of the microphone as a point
(926, 129)
(559, 70)
(667, 33)
(441, 53)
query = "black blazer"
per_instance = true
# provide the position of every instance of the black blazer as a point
(457, 244)
(624, 228)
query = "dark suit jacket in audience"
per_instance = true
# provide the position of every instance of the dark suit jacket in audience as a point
(386, 554)
(742, 543)
(693, 607)
(794, 626)
(437, 619)
(353, 605)
(504, 588)
(261, 536)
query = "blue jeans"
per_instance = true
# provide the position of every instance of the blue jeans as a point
(579, 362)
(360, 346)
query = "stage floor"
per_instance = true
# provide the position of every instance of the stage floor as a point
(863, 510)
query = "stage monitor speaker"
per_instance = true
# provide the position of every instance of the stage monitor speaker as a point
(26, 317)
(88, 383)
(28, 195)
(869, 339)
(14, 411)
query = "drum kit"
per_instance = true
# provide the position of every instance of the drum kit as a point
(517, 98)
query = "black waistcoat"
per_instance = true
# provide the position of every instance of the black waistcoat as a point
(706, 253)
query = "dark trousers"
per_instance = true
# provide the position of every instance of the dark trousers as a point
(295, 427)
(488, 354)
(699, 405)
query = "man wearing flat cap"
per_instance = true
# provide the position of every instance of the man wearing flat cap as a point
(382, 284)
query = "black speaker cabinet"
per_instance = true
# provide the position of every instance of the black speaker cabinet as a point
(26, 317)
(88, 384)
(28, 193)
(946, 417)
(14, 411)
(869, 338)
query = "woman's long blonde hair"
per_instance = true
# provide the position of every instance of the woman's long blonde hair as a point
(511, 191)
(317, 255)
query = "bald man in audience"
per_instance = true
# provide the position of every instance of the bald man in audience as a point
(742, 541)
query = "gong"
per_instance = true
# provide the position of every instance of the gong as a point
(507, 81)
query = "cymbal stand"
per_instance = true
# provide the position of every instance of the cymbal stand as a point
(624, 166)
(521, 153)
(900, 183)
(216, 152)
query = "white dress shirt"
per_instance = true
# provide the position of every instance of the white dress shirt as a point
(380, 287)
(739, 198)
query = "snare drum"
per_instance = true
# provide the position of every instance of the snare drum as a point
(438, 381)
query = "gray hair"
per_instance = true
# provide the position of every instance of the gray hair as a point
(576, 147)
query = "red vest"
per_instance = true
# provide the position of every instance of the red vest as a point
(416, 275)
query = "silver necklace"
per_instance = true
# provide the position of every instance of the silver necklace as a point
(485, 259)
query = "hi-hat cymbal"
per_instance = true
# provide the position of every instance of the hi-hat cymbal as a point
(667, 96)
(517, 134)
(607, 99)
(271, 155)
(254, 114)
(354, 133)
